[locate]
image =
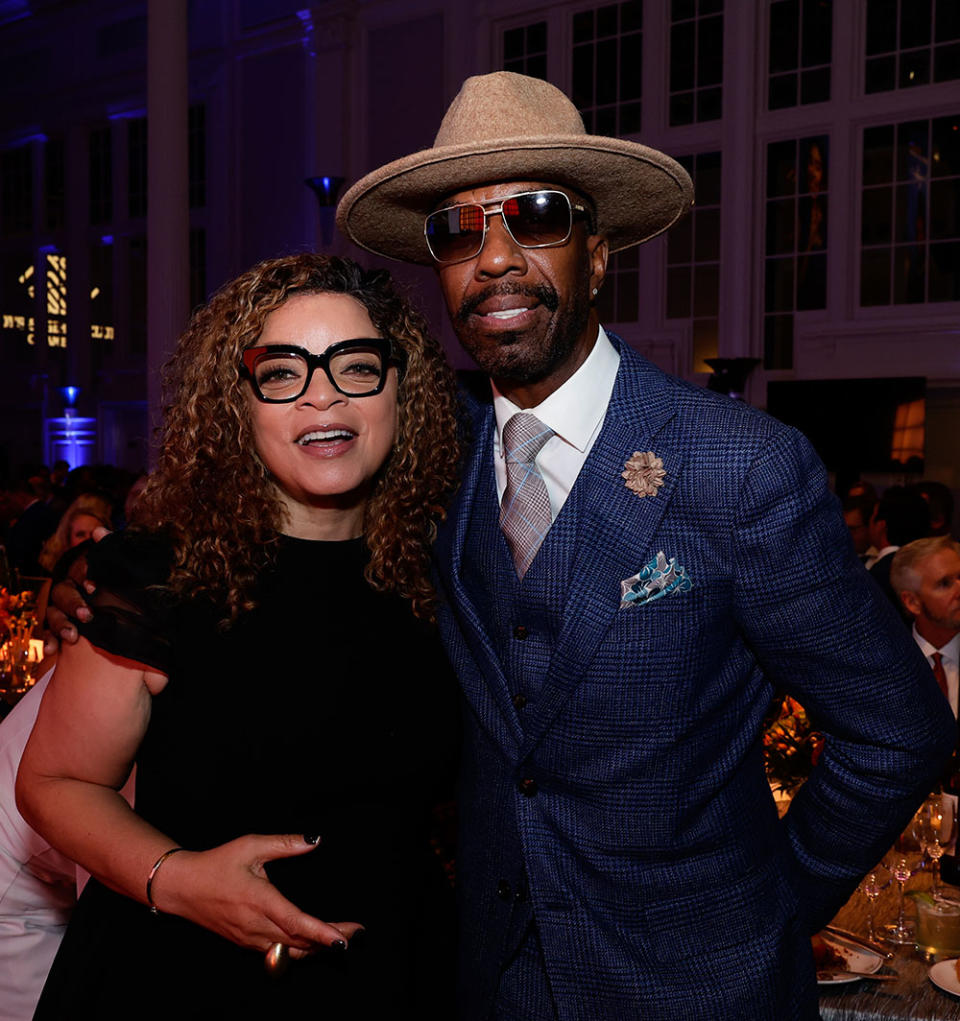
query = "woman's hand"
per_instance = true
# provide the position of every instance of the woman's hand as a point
(227, 890)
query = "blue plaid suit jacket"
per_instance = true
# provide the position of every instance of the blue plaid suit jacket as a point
(661, 882)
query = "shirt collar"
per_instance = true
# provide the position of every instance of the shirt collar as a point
(575, 409)
(949, 651)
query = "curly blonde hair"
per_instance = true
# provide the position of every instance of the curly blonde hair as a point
(213, 495)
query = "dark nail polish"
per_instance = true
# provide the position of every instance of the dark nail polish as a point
(311, 839)
(339, 945)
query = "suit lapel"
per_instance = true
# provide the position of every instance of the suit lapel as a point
(613, 524)
(481, 673)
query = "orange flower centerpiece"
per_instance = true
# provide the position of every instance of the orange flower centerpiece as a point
(790, 744)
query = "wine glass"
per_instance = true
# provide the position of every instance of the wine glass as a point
(900, 933)
(933, 828)
(870, 888)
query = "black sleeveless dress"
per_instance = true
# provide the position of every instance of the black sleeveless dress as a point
(326, 710)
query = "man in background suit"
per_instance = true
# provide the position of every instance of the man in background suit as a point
(628, 571)
(926, 576)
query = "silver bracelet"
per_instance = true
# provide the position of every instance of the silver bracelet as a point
(154, 910)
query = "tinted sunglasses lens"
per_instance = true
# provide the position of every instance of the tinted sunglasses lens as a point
(455, 234)
(538, 218)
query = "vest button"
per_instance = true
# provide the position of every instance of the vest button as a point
(527, 787)
(520, 632)
(503, 890)
(519, 701)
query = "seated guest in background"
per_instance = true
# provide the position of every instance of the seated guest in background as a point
(940, 500)
(87, 512)
(38, 885)
(861, 488)
(857, 511)
(901, 516)
(263, 654)
(35, 523)
(79, 520)
(926, 576)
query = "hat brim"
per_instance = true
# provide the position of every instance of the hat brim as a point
(638, 192)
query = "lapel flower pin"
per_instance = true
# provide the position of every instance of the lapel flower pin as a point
(644, 473)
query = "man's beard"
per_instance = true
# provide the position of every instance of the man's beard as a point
(519, 357)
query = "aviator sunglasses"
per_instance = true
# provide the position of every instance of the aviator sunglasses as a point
(534, 219)
(280, 373)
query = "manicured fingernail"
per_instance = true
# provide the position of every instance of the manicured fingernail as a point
(339, 945)
(311, 839)
(84, 614)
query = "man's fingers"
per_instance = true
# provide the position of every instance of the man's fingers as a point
(66, 602)
(58, 628)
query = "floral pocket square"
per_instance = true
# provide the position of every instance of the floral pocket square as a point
(661, 577)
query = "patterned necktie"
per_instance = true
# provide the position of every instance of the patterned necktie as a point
(940, 673)
(525, 510)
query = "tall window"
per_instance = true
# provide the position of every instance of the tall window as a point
(911, 42)
(19, 304)
(55, 267)
(525, 49)
(619, 298)
(607, 67)
(16, 190)
(696, 61)
(137, 294)
(801, 37)
(910, 222)
(197, 156)
(137, 167)
(101, 297)
(55, 184)
(198, 266)
(693, 259)
(796, 240)
(101, 176)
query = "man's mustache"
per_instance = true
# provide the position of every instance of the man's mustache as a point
(543, 293)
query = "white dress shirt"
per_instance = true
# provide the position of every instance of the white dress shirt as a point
(575, 412)
(950, 654)
(879, 555)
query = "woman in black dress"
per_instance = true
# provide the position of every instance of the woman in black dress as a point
(263, 654)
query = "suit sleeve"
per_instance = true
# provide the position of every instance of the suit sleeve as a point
(822, 630)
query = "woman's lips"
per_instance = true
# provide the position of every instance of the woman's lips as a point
(325, 441)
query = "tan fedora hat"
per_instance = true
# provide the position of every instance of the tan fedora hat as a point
(508, 127)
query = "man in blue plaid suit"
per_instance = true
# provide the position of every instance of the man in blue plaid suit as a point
(624, 587)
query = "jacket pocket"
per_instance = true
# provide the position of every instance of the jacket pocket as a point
(719, 915)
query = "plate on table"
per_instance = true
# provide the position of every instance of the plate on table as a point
(944, 976)
(846, 956)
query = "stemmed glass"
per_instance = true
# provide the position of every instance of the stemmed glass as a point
(901, 933)
(871, 888)
(933, 830)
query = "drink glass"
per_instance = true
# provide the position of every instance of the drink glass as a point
(938, 926)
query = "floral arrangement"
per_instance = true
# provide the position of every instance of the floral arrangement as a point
(17, 611)
(790, 744)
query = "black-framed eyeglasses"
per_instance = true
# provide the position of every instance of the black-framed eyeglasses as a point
(280, 373)
(534, 219)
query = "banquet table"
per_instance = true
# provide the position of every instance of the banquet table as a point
(913, 995)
